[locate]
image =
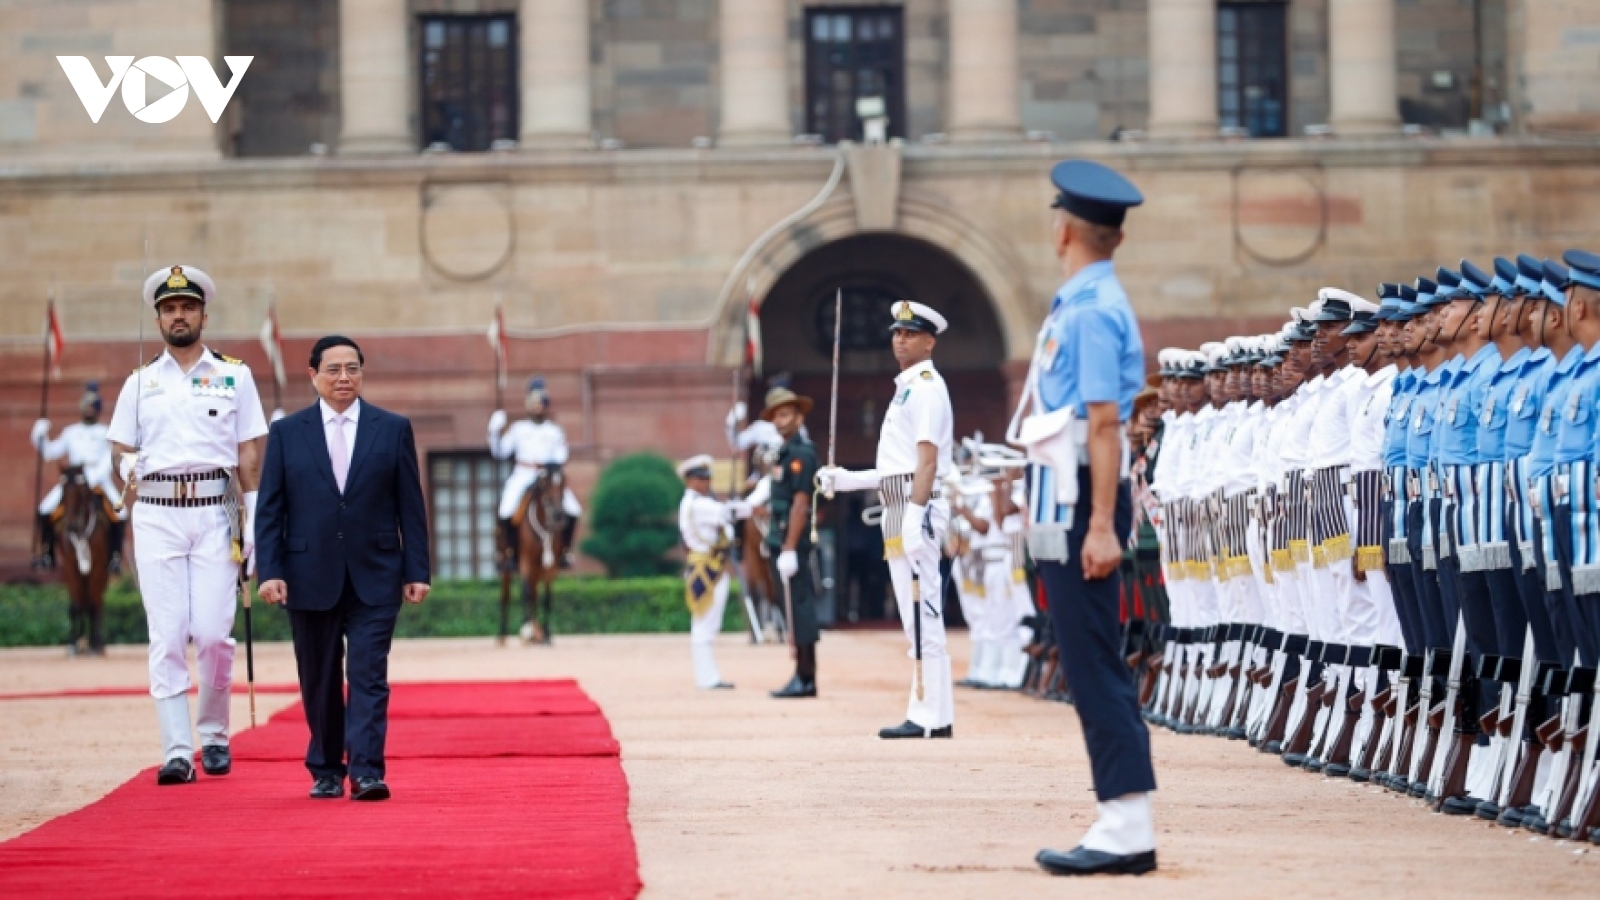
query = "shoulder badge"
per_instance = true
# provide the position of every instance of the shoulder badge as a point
(795, 466)
(927, 375)
(230, 360)
(152, 362)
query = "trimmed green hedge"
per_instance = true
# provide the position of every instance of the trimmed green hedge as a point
(38, 615)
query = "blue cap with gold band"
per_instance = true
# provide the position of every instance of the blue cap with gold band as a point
(1583, 268)
(1093, 192)
(1529, 273)
(1476, 281)
(910, 316)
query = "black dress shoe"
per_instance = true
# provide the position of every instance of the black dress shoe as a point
(1336, 770)
(796, 688)
(1536, 823)
(1272, 747)
(1079, 861)
(1459, 806)
(1511, 817)
(368, 789)
(1487, 809)
(327, 789)
(1294, 759)
(216, 760)
(910, 729)
(722, 686)
(1313, 764)
(176, 771)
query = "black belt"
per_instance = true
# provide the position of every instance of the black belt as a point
(183, 501)
(188, 477)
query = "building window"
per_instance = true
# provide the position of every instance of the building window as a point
(852, 53)
(469, 81)
(1253, 67)
(465, 489)
(867, 316)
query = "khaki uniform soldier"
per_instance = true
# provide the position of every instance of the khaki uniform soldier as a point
(188, 429)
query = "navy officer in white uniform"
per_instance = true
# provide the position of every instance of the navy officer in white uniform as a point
(915, 452)
(188, 429)
(1089, 359)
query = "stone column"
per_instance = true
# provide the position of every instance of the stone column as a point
(1361, 63)
(556, 113)
(1183, 69)
(374, 73)
(754, 35)
(984, 80)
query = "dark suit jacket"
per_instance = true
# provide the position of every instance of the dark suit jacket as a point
(310, 535)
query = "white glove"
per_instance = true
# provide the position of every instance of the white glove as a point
(788, 564)
(761, 494)
(41, 433)
(497, 422)
(912, 537)
(834, 479)
(249, 536)
(737, 509)
(127, 465)
(735, 415)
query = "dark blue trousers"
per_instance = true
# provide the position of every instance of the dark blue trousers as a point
(362, 726)
(1571, 635)
(1086, 616)
(1530, 584)
(1434, 634)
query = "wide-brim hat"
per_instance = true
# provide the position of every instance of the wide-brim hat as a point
(780, 397)
(179, 281)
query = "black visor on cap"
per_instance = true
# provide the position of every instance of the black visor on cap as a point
(1092, 211)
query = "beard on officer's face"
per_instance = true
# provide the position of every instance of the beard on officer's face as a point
(176, 338)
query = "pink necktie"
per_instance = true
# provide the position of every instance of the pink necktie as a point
(339, 451)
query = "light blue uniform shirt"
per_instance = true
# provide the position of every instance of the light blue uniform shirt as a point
(1424, 415)
(1493, 415)
(1524, 400)
(1090, 350)
(1542, 455)
(1457, 433)
(1575, 431)
(1395, 426)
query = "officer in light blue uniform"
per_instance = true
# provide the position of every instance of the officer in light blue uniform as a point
(1427, 498)
(1524, 400)
(1583, 284)
(1399, 306)
(1574, 458)
(1089, 358)
(1550, 493)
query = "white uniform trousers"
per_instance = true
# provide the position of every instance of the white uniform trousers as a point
(52, 500)
(703, 631)
(521, 479)
(187, 580)
(1003, 628)
(973, 609)
(936, 709)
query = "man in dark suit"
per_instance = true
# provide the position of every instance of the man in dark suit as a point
(341, 539)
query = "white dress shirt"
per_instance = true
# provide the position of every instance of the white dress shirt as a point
(352, 418)
(919, 413)
(1369, 420)
(190, 421)
(531, 443)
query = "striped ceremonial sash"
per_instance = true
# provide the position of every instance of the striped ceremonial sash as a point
(1366, 493)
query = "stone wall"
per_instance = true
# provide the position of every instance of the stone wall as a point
(1556, 47)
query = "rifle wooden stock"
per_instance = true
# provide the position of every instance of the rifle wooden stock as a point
(1454, 783)
(1569, 785)
(1407, 740)
(1522, 777)
(1551, 734)
(1279, 720)
(1587, 819)
(1301, 741)
(1376, 746)
(1489, 722)
(1430, 743)
(1340, 755)
(1147, 682)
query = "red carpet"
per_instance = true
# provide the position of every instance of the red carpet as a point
(501, 789)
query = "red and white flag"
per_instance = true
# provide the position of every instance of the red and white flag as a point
(497, 342)
(752, 335)
(55, 344)
(272, 343)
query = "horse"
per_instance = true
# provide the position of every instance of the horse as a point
(541, 522)
(85, 552)
(755, 576)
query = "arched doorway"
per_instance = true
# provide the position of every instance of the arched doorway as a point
(872, 271)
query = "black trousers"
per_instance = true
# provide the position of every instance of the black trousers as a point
(1530, 584)
(802, 596)
(1086, 616)
(1426, 582)
(1562, 603)
(362, 726)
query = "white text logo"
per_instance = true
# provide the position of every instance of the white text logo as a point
(134, 78)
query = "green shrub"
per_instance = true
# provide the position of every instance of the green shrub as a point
(634, 518)
(38, 616)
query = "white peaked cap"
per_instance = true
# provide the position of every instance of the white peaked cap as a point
(1363, 306)
(190, 274)
(1333, 293)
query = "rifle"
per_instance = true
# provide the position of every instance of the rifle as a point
(1431, 717)
(1299, 742)
(1288, 687)
(1575, 741)
(1513, 721)
(1336, 761)
(1586, 808)
(1404, 713)
(1378, 736)
(1450, 781)
(1517, 792)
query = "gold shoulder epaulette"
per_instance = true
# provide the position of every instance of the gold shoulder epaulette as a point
(230, 360)
(147, 365)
